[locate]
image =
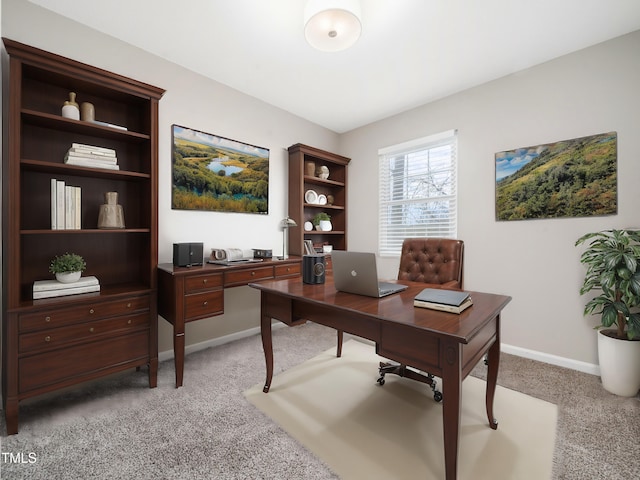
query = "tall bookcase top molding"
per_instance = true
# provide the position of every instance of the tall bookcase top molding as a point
(317, 184)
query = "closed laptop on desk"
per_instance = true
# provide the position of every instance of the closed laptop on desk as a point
(356, 272)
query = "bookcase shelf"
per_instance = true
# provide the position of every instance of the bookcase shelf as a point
(123, 314)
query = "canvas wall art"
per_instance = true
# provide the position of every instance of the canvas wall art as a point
(569, 178)
(214, 173)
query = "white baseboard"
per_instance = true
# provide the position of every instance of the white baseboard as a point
(510, 349)
(551, 359)
(214, 342)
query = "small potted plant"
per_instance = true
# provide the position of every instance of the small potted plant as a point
(322, 222)
(612, 258)
(67, 267)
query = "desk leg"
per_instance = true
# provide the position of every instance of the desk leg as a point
(267, 346)
(178, 351)
(452, 393)
(493, 361)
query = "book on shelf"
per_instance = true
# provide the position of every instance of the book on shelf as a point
(90, 162)
(106, 124)
(48, 285)
(65, 291)
(453, 301)
(92, 148)
(87, 154)
(66, 206)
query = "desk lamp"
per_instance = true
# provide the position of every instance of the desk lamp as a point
(286, 223)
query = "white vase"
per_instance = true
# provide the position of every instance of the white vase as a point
(68, 277)
(325, 225)
(619, 365)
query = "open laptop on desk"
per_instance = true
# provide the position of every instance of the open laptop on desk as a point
(356, 272)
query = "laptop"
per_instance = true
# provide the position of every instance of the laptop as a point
(355, 272)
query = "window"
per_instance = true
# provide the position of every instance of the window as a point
(418, 191)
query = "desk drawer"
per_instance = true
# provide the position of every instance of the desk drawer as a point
(242, 277)
(51, 318)
(411, 347)
(202, 305)
(288, 270)
(199, 283)
(56, 337)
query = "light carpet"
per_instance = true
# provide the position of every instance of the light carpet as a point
(334, 407)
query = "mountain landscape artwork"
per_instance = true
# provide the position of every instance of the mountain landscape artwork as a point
(218, 174)
(569, 178)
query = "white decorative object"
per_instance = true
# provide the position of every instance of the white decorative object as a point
(322, 199)
(308, 226)
(70, 108)
(310, 196)
(68, 277)
(619, 365)
(327, 248)
(325, 225)
(323, 172)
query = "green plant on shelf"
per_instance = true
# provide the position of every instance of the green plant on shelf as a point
(69, 262)
(320, 217)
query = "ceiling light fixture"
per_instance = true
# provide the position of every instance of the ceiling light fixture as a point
(332, 25)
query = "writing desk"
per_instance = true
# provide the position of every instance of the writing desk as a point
(444, 344)
(186, 294)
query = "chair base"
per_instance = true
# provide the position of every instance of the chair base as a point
(405, 371)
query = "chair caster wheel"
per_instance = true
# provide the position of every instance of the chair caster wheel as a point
(381, 381)
(437, 396)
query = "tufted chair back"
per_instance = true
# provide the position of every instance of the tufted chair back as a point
(438, 261)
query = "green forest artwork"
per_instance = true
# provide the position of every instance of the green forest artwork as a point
(218, 174)
(570, 178)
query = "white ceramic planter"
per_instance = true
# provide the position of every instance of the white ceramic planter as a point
(68, 277)
(325, 225)
(619, 365)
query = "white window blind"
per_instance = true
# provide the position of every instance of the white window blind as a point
(418, 191)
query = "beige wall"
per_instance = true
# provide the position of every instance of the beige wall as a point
(588, 92)
(592, 91)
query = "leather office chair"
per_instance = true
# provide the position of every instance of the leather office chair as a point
(438, 263)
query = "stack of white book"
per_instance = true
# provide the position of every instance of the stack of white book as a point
(91, 156)
(66, 209)
(54, 288)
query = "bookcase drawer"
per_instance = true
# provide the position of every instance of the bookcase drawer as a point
(57, 317)
(58, 337)
(201, 305)
(82, 362)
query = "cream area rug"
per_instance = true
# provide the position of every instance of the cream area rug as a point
(335, 408)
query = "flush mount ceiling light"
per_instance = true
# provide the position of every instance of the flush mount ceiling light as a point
(332, 25)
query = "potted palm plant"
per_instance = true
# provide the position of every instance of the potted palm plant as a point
(612, 259)
(68, 267)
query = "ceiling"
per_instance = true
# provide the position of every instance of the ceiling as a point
(411, 52)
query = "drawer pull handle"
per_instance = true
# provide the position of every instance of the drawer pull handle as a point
(47, 338)
(129, 322)
(129, 305)
(91, 310)
(288, 269)
(204, 281)
(91, 329)
(205, 302)
(47, 318)
(253, 274)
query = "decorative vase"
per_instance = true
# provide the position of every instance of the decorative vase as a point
(111, 214)
(87, 112)
(323, 172)
(310, 169)
(325, 225)
(68, 277)
(619, 364)
(70, 108)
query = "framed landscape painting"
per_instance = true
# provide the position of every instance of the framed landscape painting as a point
(214, 173)
(570, 178)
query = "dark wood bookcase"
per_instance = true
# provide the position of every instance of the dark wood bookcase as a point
(52, 343)
(301, 211)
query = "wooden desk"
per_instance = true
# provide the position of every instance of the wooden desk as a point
(444, 344)
(186, 294)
